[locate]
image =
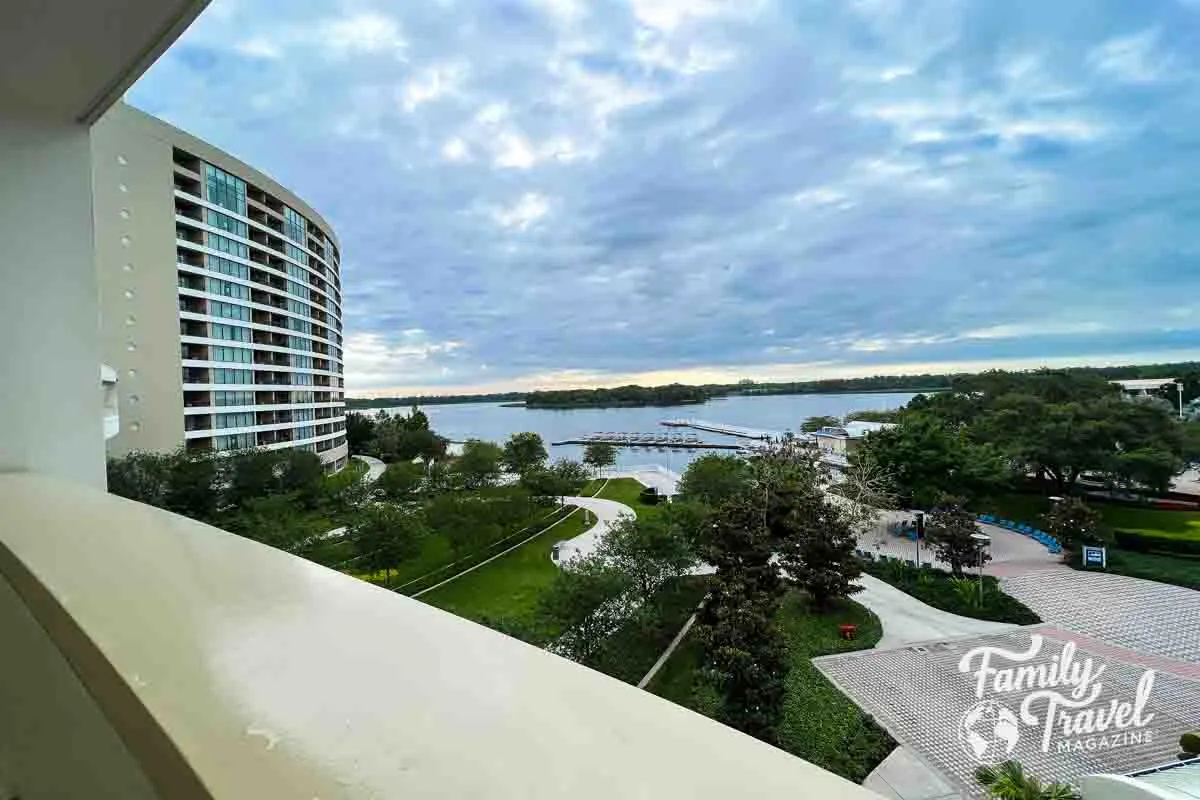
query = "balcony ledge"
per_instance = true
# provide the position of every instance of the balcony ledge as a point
(227, 665)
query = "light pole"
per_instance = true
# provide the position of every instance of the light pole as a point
(920, 517)
(981, 540)
(1179, 386)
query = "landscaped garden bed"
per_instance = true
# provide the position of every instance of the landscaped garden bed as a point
(959, 596)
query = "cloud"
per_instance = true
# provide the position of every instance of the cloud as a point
(566, 190)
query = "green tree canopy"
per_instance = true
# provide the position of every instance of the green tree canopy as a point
(385, 536)
(599, 455)
(816, 423)
(948, 530)
(524, 452)
(712, 479)
(400, 481)
(479, 464)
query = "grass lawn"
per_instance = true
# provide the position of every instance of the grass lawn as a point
(1031, 508)
(504, 593)
(820, 724)
(628, 491)
(1179, 570)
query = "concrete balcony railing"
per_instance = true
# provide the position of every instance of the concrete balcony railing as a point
(180, 661)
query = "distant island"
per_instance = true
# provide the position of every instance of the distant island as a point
(677, 394)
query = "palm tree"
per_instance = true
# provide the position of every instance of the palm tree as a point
(1008, 781)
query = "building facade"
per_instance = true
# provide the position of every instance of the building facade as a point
(220, 298)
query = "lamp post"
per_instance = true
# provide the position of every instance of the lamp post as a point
(920, 517)
(1179, 386)
(981, 540)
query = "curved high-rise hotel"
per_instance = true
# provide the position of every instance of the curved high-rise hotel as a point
(221, 302)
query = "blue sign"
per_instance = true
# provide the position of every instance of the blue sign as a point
(1095, 556)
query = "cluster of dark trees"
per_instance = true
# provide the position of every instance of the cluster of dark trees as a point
(1065, 428)
(278, 497)
(394, 437)
(432, 400)
(670, 395)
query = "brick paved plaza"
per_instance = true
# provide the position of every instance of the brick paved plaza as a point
(1149, 617)
(919, 695)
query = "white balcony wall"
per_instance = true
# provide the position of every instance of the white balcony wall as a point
(49, 364)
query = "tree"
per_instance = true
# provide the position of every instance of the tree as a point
(578, 606)
(816, 423)
(191, 484)
(599, 455)
(274, 520)
(384, 536)
(479, 464)
(818, 547)
(465, 522)
(929, 458)
(416, 420)
(301, 474)
(948, 530)
(744, 652)
(360, 431)
(647, 552)
(1009, 781)
(1074, 523)
(142, 476)
(400, 480)
(523, 452)
(713, 479)
(250, 474)
(573, 474)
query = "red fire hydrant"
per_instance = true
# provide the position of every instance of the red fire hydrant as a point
(848, 631)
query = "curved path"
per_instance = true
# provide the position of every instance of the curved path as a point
(375, 467)
(907, 620)
(607, 512)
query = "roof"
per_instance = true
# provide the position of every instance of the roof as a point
(1144, 383)
(853, 430)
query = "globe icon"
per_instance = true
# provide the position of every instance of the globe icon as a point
(988, 732)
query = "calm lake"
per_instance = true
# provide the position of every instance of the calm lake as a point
(493, 422)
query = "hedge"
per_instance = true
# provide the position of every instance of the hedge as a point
(1150, 543)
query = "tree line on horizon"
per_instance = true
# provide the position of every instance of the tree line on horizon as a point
(1188, 372)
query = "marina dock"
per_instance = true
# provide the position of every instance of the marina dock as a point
(720, 427)
(660, 440)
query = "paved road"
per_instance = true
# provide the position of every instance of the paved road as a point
(607, 512)
(375, 467)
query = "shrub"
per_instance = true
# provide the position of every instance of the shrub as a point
(649, 496)
(1150, 543)
(1190, 743)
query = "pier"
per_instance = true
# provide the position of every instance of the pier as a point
(682, 441)
(720, 427)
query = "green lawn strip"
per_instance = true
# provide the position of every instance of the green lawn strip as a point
(1179, 570)
(504, 593)
(628, 491)
(632, 649)
(936, 588)
(820, 724)
(1030, 508)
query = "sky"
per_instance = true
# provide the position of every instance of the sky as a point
(552, 193)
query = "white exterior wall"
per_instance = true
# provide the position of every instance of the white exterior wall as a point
(53, 420)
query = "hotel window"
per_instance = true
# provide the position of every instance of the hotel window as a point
(305, 433)
(303, 397)
(225, 190)
(302, 379)
(228, 289)
(229, 311)
(226, 267)
(298, 289)
(303, 362)
(226, 245)
(298, 273)
(227, 223)
(244, 398)
(303, 415)
(295, 253)
(244, 419)
(299, 307)
(232, 376)
(235, 355)
(293, 225)
(300, 325)
(231, 333)
(238, 441)
(297, 343)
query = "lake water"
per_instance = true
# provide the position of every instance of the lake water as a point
(493, 422)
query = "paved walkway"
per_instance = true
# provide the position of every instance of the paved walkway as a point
(907, 620)
(607, 512)
(375, 467)
(1012, 553)
(1145, 616)
(666, 481)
